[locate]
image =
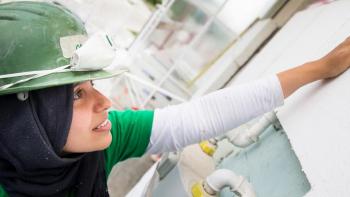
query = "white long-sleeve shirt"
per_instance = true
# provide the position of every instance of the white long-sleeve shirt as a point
(175, 127)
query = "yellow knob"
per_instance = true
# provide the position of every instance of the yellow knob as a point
(207, 147)
(197, 190)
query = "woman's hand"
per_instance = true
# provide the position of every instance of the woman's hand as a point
(333, 64)
(337, 61)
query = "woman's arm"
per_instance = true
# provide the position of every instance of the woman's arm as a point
(331, 65)
(177, 126)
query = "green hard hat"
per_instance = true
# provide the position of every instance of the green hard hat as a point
(35, 36)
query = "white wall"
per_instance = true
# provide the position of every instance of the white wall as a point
(316, 117)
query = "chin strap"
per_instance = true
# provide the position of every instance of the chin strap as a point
(36, 74)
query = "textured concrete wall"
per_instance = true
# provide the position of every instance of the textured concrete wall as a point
(271, 167)
(315, 118)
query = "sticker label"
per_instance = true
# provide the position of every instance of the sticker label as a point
(71, 43)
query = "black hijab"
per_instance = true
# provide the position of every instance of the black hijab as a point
(32, 135)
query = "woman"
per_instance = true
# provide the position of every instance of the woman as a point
(57, 137)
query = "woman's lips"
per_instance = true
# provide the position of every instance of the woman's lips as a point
(105, 126)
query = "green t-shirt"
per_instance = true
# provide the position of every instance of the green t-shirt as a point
(131, 132)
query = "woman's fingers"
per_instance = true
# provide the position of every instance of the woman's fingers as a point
(338, 60)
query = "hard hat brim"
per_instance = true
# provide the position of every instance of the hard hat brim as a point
(57, 79)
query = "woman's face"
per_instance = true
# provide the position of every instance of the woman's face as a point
(90, 127)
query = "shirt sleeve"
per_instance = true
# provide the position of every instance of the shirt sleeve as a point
(177, 126)
(131, 131)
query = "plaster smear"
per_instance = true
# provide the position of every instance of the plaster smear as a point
(316, 117)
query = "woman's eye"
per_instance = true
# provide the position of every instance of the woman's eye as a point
(77, 94)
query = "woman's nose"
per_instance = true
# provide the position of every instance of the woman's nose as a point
(102, 102)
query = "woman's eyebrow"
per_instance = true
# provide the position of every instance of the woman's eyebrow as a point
(76, 84)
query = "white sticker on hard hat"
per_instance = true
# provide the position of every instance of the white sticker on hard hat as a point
(69, 44)
(96, 53)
